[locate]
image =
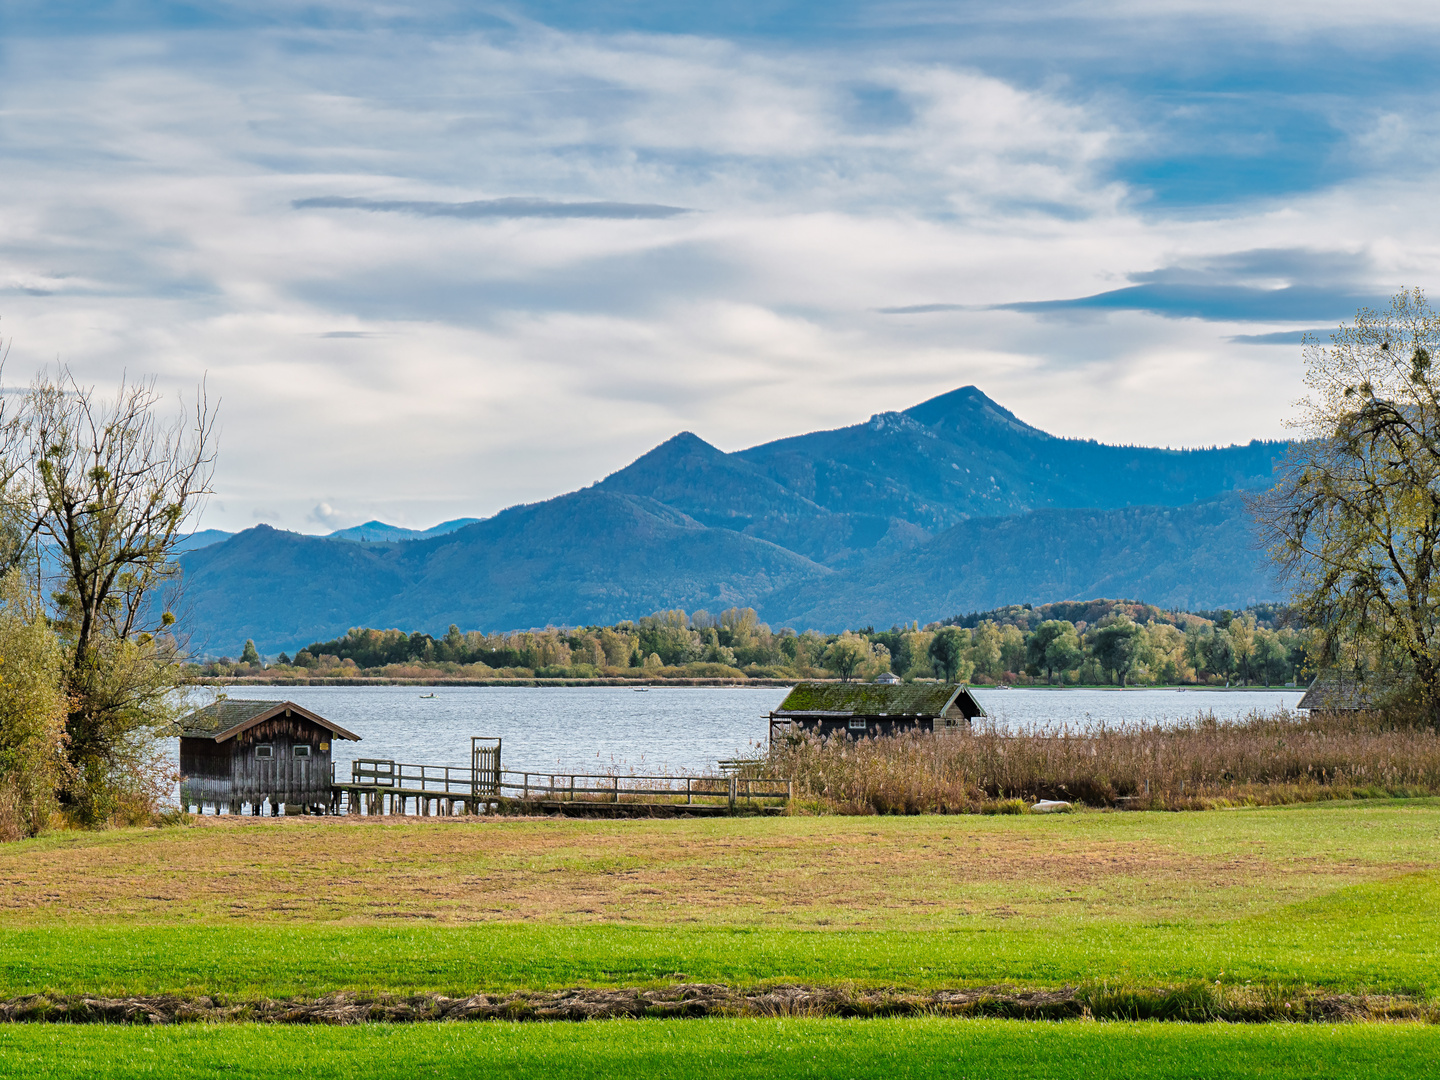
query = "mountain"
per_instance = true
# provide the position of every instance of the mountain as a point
(1190, 557)
(960, 455)
(588, 557)
(203, 538)
(377, 532)
(952, 505)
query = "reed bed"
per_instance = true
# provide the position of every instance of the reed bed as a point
(1265, 758)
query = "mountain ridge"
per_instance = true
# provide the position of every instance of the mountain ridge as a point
(955, 501)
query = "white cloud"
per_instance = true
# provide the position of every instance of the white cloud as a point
(147, 224)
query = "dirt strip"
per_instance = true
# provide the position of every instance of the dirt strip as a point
(1196, 1003)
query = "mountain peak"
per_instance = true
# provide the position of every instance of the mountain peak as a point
(964, 409)
(685, 450)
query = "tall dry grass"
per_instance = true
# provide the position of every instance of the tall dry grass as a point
(1264, 758)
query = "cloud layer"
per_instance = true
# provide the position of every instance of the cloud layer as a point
(436, 261)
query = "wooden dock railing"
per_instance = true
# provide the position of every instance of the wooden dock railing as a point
(373, 781)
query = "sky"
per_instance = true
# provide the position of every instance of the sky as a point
(437, 259)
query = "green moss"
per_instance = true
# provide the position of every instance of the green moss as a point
(869, 699)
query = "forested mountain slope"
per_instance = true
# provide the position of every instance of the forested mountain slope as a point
(591, 556)
(948, 506)
(1189, 557)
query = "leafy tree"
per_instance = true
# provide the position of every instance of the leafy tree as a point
(1220, 654)
(845, 655)
(1242, 646)
(1354, 521)
(947, 650)
(1272, 658)
(1119, 646)
(248, 655)
(1043, 648)
(985, 645)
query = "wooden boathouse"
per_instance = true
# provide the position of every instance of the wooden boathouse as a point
(241, 755)
(861, 710)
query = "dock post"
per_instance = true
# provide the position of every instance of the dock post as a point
(734, 783)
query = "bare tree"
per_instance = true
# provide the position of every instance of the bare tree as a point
(108, 486)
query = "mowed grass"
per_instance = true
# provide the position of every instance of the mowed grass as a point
(732, 1049)
(1330, 895)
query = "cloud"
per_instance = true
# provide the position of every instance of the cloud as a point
(923, 309)
(748, 219)
(1252, 285)
(516, 207)
(1215, 303)
(326, 516)
(1283, 337)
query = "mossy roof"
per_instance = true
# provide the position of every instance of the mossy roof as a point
(230, 716)
(1344, 692)
(871, 699)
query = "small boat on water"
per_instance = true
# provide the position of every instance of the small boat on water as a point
(641, 689)
(427, 695)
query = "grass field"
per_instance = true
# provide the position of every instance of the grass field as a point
(1331, 896)
(730, 1049)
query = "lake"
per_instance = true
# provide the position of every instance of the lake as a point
(666, 729)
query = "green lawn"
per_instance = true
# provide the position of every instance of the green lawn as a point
(1332, 896)
(728, 1049)
(1378, 936)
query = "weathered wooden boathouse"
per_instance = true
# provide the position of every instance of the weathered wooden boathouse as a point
(862, 710)
(243, 755)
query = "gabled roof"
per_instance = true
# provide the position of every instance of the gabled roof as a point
(1345, 692)
(228, 717)
(872, 699)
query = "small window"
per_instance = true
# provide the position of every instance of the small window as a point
(264, 750)
(302, 750)
(857, 725)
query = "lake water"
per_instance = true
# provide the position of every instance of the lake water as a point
(665, 729)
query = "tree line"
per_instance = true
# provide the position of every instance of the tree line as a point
(1108, 643)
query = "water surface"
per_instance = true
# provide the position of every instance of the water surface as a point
(666, 729)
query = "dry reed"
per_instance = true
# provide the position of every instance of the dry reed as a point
(1266, 758)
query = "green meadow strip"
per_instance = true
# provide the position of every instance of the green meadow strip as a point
(897, 1049)
(1376, 937)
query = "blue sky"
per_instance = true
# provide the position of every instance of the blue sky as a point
(439, 258)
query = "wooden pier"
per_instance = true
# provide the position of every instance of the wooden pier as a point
(384, 787)
(380, 786)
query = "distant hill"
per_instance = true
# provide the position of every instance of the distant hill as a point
(951, 506)
(203, 538)
(377, 532)
(372, 532)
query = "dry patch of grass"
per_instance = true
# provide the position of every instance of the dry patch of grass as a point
(862, 873)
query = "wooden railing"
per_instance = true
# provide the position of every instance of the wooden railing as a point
(454, 782)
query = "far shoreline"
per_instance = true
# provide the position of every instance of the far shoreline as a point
(696, 682)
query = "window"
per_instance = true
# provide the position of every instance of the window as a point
(264, 750)
(857, 724)
(302, 751)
